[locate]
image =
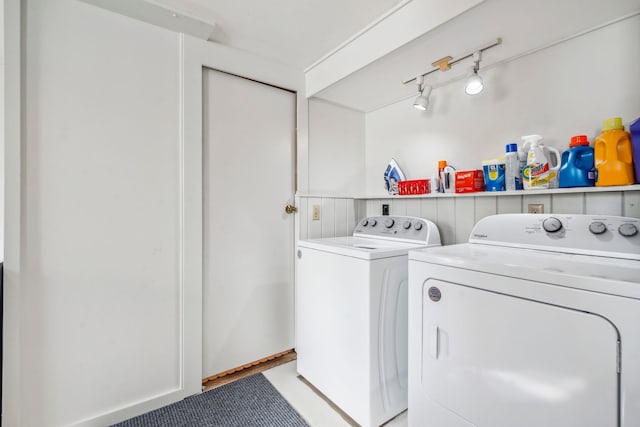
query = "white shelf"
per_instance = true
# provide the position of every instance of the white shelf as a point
(635, 187)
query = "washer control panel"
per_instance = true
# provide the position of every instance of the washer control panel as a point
(613, 236)
(404, 228)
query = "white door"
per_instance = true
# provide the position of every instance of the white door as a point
(248, 174)
(501, 361)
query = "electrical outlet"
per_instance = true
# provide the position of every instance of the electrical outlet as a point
(316, 213)
(536, 208)
(385, 209)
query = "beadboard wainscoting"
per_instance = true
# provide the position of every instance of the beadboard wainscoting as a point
(338, 216)
(456, 215)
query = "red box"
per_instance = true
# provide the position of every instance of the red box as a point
(416, 186)
(469, 181)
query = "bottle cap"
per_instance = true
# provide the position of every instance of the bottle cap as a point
(511, 148)
(442, 164)
(614, 123)
(579, 140)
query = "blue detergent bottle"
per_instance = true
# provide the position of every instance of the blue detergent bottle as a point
(578, 168)
(634, 130)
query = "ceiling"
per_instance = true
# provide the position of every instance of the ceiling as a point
(300, 33)
(293, 32)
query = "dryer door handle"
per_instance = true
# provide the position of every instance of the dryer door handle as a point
(434, 341)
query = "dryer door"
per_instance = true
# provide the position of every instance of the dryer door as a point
(501, 361)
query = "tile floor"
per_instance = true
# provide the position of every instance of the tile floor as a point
(311, 406)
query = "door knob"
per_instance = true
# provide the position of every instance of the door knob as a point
(290, 209)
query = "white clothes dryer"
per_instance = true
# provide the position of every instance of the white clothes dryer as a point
(535, 322)
(351, 315)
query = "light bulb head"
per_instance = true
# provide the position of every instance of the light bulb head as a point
(474, 84)
(422, 100)
(421, 103)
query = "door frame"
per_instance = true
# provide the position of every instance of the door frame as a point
(12, 388)
(195, 56)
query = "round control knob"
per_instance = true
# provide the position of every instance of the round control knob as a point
(365, 222)
(628, 230)
(389, 222)
(597, 227)
(406, 225)
(417, 225)
(373, 222)
(552, 225)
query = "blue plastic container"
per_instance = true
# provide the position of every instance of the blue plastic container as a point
(634, 130)
(577, 168)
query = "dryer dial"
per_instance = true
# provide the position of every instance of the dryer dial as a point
(365, 222)
(552, 225)
(373, 222)
(389, 222)
(597, 227)
(406, 225)
(417, 225)
(628, 230)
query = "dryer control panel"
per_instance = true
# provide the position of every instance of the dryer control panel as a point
(400, 228)
(610, 236)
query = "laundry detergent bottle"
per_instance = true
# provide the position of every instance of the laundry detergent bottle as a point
(634, 130)
(613, 155)
(578, 168)
(539, 172)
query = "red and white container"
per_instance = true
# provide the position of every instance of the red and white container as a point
(470, 181)
(415, 186)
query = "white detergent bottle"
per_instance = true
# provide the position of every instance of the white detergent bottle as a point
(539, 172)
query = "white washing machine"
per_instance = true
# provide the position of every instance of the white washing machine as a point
(535, 322)
(351, 315)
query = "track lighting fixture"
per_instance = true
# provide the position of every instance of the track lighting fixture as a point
(474, 83)
(422, 101)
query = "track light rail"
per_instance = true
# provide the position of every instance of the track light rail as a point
(446, 62)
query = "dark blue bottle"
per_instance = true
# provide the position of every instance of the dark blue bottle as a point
(634, 130)
(577, 168)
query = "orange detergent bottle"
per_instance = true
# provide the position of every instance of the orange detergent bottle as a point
(613, 155)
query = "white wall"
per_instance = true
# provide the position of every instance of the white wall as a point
(101, 298)
(336, 149)
(558, 92)
(338, 216)
(103, 268)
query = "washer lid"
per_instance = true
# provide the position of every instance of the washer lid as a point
(595, 273)
(358, 247)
